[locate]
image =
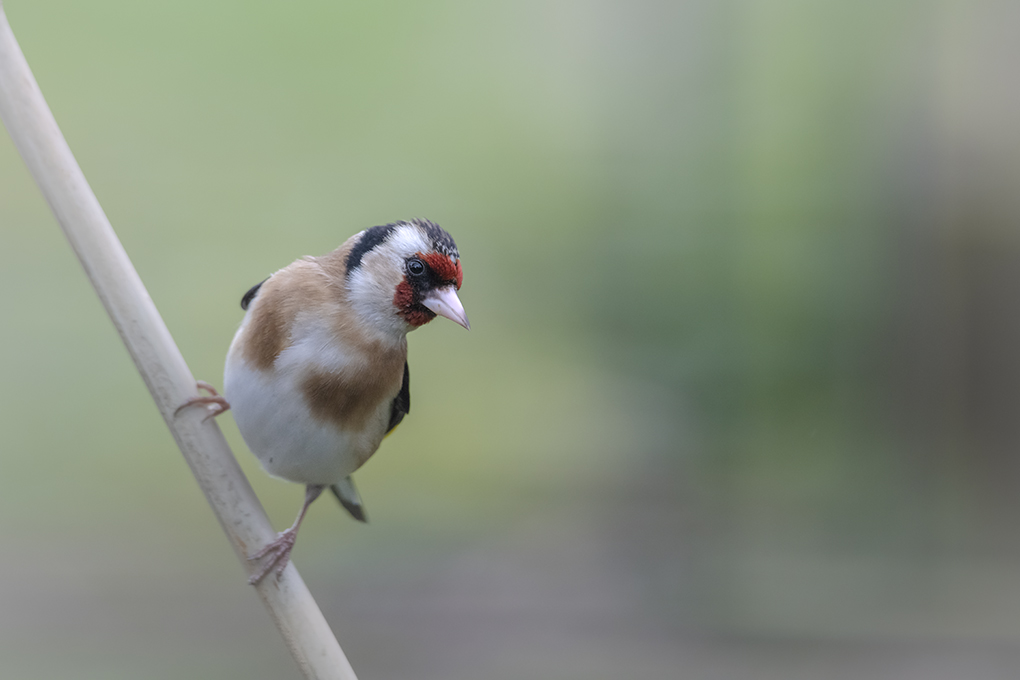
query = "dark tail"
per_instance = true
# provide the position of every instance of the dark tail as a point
(350, 499)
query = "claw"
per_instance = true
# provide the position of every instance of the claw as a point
(279, 551)
(215, 403)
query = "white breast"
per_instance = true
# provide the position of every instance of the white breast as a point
(276, 423)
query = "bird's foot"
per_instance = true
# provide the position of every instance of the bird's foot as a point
(279, 554)
(215, 403)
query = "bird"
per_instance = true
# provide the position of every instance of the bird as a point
(317, 373)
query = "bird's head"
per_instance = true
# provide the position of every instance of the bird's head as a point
(401, 276)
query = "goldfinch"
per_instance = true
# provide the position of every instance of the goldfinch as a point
(317, 373)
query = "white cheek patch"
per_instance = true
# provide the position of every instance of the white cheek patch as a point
(372, 287)
(374, 282)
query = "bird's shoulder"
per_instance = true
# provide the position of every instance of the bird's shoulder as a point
(301, 290)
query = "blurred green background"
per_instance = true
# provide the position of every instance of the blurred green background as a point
(741, 397)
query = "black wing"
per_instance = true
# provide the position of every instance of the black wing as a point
(402, 402)
(250, 295)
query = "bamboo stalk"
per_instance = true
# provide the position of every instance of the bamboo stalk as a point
(35, 133)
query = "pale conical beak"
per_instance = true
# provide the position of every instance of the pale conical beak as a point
(444, 302)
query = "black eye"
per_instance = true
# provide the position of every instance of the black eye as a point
(415, 267)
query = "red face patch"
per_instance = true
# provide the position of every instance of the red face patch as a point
(445, 268)
(403, 300)
(404, 296)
